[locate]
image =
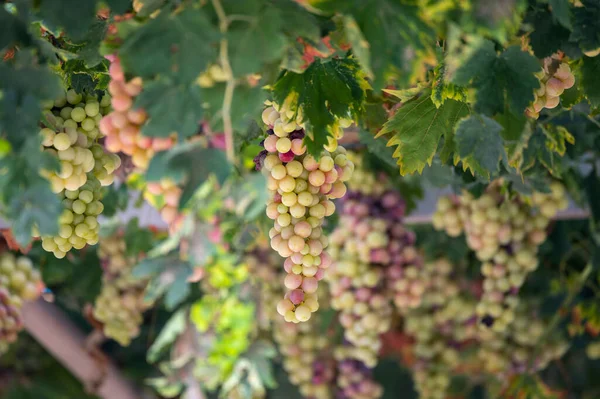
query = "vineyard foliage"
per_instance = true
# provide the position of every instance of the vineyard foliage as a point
(226, 192)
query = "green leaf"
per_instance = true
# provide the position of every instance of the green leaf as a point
(548, 36)
(171, 108)
(179, 289)
(169, 333)
(499, 79)
(324, 91)
(256, 42)
(118, 6)
(479, 144)
(561, 12)
(177, 44)
(360, 46)
(392, 28)
(590, 79)
(191, 164)
(417, 128)
(74, 16)
(586, 29)
(405, 94)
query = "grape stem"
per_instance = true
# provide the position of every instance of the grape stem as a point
(230, 84)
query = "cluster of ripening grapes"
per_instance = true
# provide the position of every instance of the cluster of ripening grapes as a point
(164, 196)
(74, 142)
(354, 379)
(505, 232)
(120, 305)
(516, 352)
(122, 126)
(19, 282)
(375, 264)
(442, 325)
(84, 168)
(302, 188)
(555, 77)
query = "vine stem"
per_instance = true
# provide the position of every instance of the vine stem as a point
(230, 84)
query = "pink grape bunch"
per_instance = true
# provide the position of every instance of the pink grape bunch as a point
(555, 77)
(302, 189)
(122, 127)
(505, 232)
(354, 379)
(164, 196)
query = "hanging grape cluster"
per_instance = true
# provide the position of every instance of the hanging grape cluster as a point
(505, 232)
(302, 188)
(19, 282)
(354, 379)
(442, 326)
(375, 264)
(122, 126)
(84, 168)
(120, 305)
(164, 196)
(555, 77)
(518, 352)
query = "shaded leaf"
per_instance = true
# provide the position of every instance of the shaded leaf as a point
(590, 79)
(169, 333)
(74, 16)
(479, 144)
(324, 92)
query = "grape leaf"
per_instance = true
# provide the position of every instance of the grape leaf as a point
(181, 45)
(561, 12)
(326, 90)
(479, 144)
(172, 329)
(508, 77)
(586, 29)
(590, 79)
(417, 128)
(74, 16)
(392, 28)
(360, 46)
(548, 36)
(171, 108)
(190, 164)
(257, 41)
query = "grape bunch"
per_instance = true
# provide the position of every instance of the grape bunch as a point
(375, 264)
(19, 282)
(354, 379)
(122, 126)
(516, 352)
(74, 143)
(442, 326)
(120, 305)
(302, 188)
(305, 357)
(555, 77)
(505, 232)
(164, 196)
(78, 223)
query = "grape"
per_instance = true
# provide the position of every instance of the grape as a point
(164, 196)
(555, 77)
(354, 380)
(74, 144)
(121, 304)
(19, 282)
(122, 126)
(78, 224)
(504, 232)
(301, 189)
